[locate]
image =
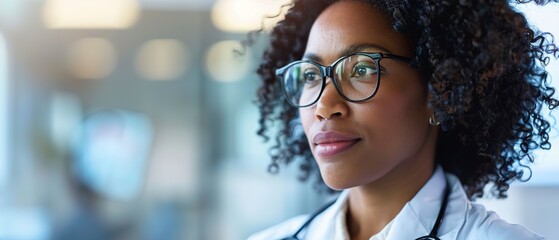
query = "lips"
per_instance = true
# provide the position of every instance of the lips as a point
(331, 143)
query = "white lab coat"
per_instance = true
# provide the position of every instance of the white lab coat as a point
(463, 219)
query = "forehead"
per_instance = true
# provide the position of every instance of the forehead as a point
(349, 23)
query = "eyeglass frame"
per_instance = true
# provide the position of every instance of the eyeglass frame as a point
(328, 71)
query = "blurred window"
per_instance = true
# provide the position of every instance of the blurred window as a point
(112, 152)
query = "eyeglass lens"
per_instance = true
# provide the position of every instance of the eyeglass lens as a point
(355, 78)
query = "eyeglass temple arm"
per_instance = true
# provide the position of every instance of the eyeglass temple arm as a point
(397, 57)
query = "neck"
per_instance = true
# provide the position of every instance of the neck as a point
(372, 206)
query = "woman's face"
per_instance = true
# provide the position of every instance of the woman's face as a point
(360, 143)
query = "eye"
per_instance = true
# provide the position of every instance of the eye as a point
(311, 75)
(364, 69)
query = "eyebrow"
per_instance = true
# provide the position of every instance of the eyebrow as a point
(349, 50)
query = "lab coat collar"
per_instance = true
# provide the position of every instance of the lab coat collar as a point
(424, 208)
(417, 217)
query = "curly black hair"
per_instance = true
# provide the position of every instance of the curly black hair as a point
(485, 70)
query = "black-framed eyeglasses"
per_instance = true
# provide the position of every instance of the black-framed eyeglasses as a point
(356, 77)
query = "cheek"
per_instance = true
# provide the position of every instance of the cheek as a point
(406, 109)
(402, 120)
(307, 116)
(403, 99)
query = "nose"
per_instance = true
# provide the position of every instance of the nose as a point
(330, 104)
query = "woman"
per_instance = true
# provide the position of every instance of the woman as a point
(411, 108)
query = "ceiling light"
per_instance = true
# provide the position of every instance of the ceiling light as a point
(246, 15)
(91, 58)
(161, 59)
(90, 14)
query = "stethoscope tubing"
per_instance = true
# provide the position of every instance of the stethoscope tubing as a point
(432, 235)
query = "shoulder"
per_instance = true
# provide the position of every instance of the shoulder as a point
(281, 230)
(469, 220)
(321, 226)
(488, 225)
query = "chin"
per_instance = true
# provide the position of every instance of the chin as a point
(338, 181)
(343, 176)
(341, 185)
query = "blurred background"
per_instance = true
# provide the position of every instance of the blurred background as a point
(133, 119)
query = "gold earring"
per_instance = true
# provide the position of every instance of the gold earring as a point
(433, 120)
